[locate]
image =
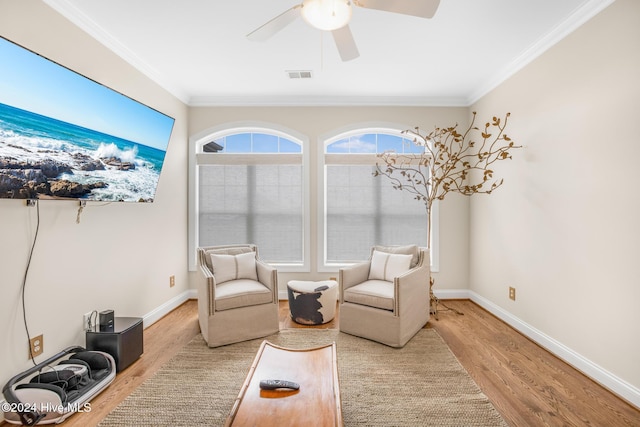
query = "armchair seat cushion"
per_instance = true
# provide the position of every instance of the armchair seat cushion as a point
(373, 293)
(241, 293)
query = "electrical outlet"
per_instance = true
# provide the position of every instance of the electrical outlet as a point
(172, 281)
(512, 293)
(37, 346)
(86, 321)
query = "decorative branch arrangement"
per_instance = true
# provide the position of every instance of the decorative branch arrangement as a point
(452, 162)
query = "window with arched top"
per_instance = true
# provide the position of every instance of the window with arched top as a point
(251, 188)
(358, 209)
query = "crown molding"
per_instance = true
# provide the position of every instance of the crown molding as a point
(573, 22)
(325, 101)
(89, 26)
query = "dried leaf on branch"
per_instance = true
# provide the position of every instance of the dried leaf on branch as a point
(451, 161)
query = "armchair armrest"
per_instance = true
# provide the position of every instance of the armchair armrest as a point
(206, 288)
(412, 287)
(268, 276)
(353, 275)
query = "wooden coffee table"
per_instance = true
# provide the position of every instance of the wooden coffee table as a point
(316, 403)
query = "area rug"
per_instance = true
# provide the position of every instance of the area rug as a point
(422, 384)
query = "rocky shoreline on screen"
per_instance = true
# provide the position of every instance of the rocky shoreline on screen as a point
(31, 180)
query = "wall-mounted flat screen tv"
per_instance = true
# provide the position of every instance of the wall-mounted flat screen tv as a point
(65, 136)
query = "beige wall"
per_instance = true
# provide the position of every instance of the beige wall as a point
(564, 229)
(315, 122)
(119, 256)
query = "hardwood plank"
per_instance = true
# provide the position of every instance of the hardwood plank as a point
(526, 383)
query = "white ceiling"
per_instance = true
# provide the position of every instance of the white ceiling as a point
(197, 49)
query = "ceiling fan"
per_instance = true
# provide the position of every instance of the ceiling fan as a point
(334, 16)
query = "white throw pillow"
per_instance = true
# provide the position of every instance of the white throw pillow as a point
(247, 266)
(385, 266)
(233, 267)
(406, 250)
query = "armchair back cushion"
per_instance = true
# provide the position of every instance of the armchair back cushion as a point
(234, 267)
(412, 250)
(225, 251)
(386, 266)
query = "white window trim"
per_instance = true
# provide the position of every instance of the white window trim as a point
(323, 140)
(195, 144)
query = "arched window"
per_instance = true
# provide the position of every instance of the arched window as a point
(360, 210)
(251, 188)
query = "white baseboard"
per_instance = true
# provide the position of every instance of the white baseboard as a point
(158, 313)
(617, 385)
(452, 293)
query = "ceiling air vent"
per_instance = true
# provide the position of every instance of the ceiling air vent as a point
(299, 74)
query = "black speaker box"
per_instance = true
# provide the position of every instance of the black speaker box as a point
(106, 321)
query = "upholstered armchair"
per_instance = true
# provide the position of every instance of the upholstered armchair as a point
(237, 295)
(386, 299)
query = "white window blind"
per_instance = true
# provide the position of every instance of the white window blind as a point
(254, 203)
(251, 191)
(363, 211)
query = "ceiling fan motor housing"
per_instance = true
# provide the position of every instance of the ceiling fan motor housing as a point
(326, 15)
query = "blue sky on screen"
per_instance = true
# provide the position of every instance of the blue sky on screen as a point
(33, 83)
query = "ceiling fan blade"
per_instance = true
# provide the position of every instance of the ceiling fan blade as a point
(276, 24)
(419, 8)
(345, 43)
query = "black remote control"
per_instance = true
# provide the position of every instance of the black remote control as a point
(276, 384)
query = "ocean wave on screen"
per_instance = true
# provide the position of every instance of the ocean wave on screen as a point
(32, 143)
(121, 185)
(106, 151)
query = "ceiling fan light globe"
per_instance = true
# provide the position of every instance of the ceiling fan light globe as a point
(326, 15)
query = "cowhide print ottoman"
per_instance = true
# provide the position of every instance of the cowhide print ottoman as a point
(312, 303)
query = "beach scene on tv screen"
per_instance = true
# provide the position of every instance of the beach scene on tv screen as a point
(64, 136)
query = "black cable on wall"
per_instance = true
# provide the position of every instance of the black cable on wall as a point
(24, 282)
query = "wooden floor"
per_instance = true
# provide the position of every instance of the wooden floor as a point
(528, 385)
